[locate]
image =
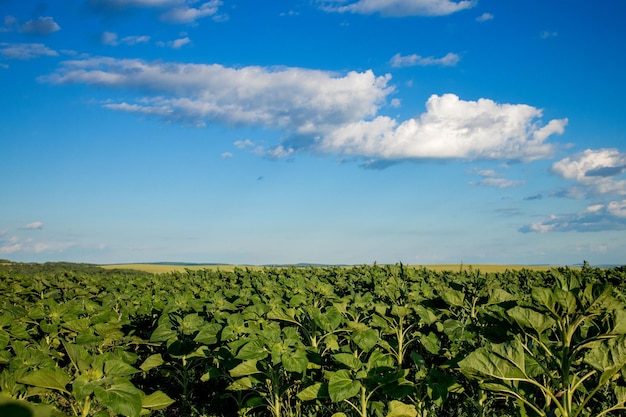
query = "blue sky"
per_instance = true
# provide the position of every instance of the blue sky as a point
(325, 131)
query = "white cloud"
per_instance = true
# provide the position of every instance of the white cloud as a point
(598, 171)
(227, 155)
(300, 100)
(186, 14)
(320, 111)
(451, 128)
(449, 60)
(9, 24)
(25, 51)
(111, 38)
(176, 11)
(34, 225)
(40, 26)
(134, 40)
(175, 44)
(484, 17)
(594, 218)
(398, 8)
(242, 144)
(546, 34)
(10, 246)
(491, 178)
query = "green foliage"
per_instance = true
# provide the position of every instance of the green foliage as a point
(380, 341)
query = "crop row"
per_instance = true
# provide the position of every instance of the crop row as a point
(385, 341)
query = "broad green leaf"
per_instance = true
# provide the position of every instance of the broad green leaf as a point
(4, 339)
(79, 356)
(116, 367)
(566, 299)
(208, 333)
(339, 415)
(544, 297)
(56, 379)
(365, 339)
(151, 362)
(163, 333)
(341, 386)
(530, 319)
(608, 356)
(486, 362)
(83, 386)
(329, 320)
(295, 361)
(191, 323)
(241, 384)
(453, 297)
(252, 350)
(430, 342)
(158, 400)
(244, 369)
(348, 360)
(427, 315)
(399, 409)
(313, 392)
(122, 398)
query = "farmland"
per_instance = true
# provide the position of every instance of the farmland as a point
(370, 340)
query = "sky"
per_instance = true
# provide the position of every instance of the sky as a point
(313, 131)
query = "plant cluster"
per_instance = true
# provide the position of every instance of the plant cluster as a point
(379, 341)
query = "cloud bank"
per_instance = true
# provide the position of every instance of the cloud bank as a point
(174, 11)
(595, 218)
(319, 111)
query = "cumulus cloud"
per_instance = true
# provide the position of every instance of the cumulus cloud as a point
(596, 171)
(320, 111)
(451, 128)
(25, 51)
(398, 8)
(40, 26)
(594, 218)
(449, 60)
(491, 178)
(296, 99)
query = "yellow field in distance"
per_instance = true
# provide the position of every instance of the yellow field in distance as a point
(163, 269)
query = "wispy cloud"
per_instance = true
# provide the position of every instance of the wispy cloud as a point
(33, 226)
(174, 11)
(398, 8)
(41, 26)
(9, 24)
(491, 178)
(320, 111)
(595, 171)
(449, 60)
(595, 218)
(547, 34)
(111, 38)
(176, 43)
(10, 245)
(25, 51)
(187, 14)
(485, 17)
